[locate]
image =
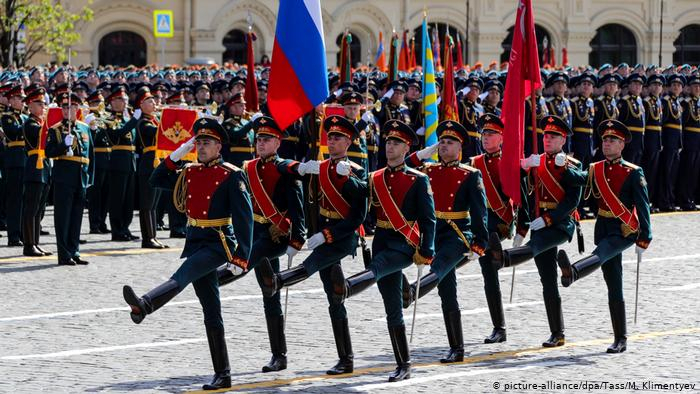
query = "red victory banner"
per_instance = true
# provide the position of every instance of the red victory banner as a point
(53, 116)
(175, 128)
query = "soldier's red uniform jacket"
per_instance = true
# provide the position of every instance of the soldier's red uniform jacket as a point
(402, 200)
(621, 194)
(342, 201)
(215, 198)
(559, 191)
(460, 202)
(501, 213)
(278, 200)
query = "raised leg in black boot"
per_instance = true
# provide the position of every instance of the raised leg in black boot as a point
(151, 301)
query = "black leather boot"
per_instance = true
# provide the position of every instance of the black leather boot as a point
(225, 276)
(219, 359)
(509, 257)
(345, 288)
(151, 301)
(29, 238)
(272, 282)
(341, 332)
(571, 273)
(401, 353)
(427, 283)
(278, 344)
(497, 318)
(619, 323)
(453, 324)
(31, 251)
(556, 323)
(148, 231)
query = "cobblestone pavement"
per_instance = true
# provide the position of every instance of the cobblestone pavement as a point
(66, 329)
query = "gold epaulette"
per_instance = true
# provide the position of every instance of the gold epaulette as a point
(355, 165)
(230, 167)
(415, 172)
(467, 167)
(571, 159)
(630, 165)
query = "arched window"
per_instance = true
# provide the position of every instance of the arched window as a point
(355, 50)
(613, 44)
(122, 48)
(441, 29)
(540, 33)
(687, 46)
(235, 45)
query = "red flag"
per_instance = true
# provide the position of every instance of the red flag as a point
(251, 86)
(460, 60)
(552, 57)
(381, 57)
(403, 56)
(564, 57)
(174, 129)
(53, 116)
(448, 104)
(523, 78)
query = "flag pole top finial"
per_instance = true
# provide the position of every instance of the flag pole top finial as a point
(249, 20)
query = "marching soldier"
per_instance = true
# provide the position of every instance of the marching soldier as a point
(37, 174)
(623, 220)
(405, 234)
(98, 193)
(15, 159)
(69, 143)
(122, 165)
(214, 194)
(278, 212)
(460, 231)
(652, 137)
(672, 142)
(558, 104)
(540, 111)
(239, 127)
(557, 195)
(343, 205)
(690, 155)
(469, 113)
(392, 108)
(631, 113)
(146, 131)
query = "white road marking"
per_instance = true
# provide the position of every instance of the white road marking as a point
(472, 311)
(470, 372)
(76, 352)
(681, 288)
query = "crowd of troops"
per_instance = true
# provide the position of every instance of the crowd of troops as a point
(258, 193)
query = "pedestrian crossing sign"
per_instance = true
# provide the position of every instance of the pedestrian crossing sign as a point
(163, 23)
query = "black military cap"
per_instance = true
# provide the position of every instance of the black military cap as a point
(35, 93)
(636, 78)
(399, 86)
(199, 85)
(693, 80)
(493, 84)
(452, 129)
(142, 95)
(336, 124)
(475, 82)
(614, 128)
(350, 98)
(557, 76)
(118, 91)
(656, 78)
(415, 83)
(349, 87)
(491, 123)
(585, 77)
(65, 98)
(95, 96)
(266, 125)
(219, 86)
(555, 125)
(400, 131)
(262, 86)
(17, 90)
(610, 78)
(209, 128)
(675, 78)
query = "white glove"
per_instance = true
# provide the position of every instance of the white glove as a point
(309, 167)
(466, 90)
(518, 240)
(343, 168)
(560, 159)
(532, 161)
(315, 241)
(68, 139)
(291, 252)
(89, 118)
(473, 256)
(182, 150)
(368, 117)
(137, 114)
(427, 153)
(69, 152)
(236, 270)
(420, 131)
(639, 250)
(255, 116)
(388, 94)
(53, 105)
(338, 92)
(537, 224)
(125, 114)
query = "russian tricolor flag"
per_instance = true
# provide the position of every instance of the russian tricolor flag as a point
(298, 80)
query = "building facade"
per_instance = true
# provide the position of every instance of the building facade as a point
(592, 31)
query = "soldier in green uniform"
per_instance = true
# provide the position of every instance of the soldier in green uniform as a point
(37, 174)
(557, 195)
(239, 127)
(98, 193)
(69, 143)
(623, 220)
(631, 113)
(357, 152)
(122, 165)
(392, 107)
(15, 159)
(469, 113)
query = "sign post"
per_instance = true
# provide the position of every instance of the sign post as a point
(162, 29)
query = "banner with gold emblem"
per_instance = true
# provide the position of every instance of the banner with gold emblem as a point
(53, 116)
(175, 128)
